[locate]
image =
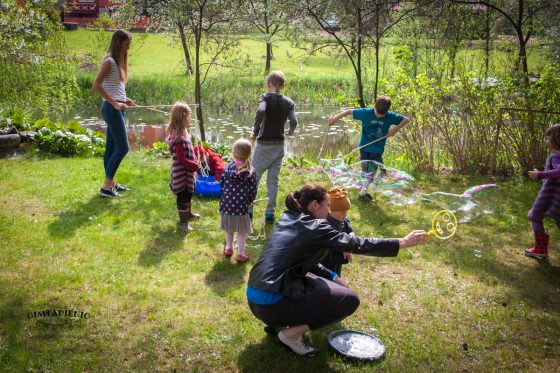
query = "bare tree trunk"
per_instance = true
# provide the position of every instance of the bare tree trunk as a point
(185, 47)
(268, 41)
(268, 57)
(377, 38)
(375, 85)
(452, 60)
(487, 45)
(522, 42)
(359, 74)
(197, 90)
(522, 58)
(361, 101)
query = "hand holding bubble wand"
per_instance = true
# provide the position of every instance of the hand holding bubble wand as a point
(444, 225)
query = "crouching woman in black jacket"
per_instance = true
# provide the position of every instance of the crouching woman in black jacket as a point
(281, 290)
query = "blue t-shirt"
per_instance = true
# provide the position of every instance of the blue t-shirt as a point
(374, 128)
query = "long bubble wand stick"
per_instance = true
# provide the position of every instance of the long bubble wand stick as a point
(363, 146)
(323, 144)
(155, 106)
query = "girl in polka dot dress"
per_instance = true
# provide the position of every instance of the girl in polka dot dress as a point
(238, 191)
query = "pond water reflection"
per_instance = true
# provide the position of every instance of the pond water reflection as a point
(147, 126)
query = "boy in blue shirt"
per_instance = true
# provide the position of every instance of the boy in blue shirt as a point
(377, 122)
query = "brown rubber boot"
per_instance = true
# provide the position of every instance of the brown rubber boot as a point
(184, 220)
(190, 214)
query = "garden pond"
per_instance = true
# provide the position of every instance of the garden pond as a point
(146, 126)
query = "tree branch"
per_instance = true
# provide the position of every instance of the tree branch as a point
(487, 4)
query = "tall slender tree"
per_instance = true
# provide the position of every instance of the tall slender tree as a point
(185, 45)
(522, 16)
(171, 22)
(354, 26)
(210, 23)
(269, 17)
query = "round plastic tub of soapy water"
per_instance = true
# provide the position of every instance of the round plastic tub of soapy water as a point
(356, 345)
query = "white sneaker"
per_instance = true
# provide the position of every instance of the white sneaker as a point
(364, 195)
(300, 347)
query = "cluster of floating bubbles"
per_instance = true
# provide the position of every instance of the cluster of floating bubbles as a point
(398, 187)
(466, 205)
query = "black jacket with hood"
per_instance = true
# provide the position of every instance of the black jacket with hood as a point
(298, 243)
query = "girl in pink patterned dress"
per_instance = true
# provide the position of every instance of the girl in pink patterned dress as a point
(184, 164)
(238, 191)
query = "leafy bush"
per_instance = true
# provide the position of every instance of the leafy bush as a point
(459, 123)
(301, 161)
(159, 149)
(34, 65)
(67, 139)
(222, 149)
(14, 117)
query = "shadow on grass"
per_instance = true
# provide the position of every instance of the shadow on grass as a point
(13, 311)
(167, 239)
(269, 355)
(224, 276)
(23, 340)
(490, 246)
(82, 214)
(530, 284)
(372, 214)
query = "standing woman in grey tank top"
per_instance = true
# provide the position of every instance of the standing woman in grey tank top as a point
(110, 84)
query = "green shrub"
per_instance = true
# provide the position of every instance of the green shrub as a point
(14, 117)
(459, 124)
(159, 149)
(67, 139)
(36, 72)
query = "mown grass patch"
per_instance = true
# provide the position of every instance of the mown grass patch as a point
(163, 301)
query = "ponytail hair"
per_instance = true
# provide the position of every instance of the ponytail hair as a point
(299, 200)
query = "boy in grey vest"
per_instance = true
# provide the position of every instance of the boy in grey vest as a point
(270, 121)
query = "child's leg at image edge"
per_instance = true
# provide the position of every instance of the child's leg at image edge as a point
(538, 226)
(241, 239)
(229, 240)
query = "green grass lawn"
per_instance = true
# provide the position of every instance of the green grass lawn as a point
(157, 72)
(160, 55)
(163, 301)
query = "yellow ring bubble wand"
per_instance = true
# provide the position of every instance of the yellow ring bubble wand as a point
(444, 225)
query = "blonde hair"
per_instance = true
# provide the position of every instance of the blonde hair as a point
(180, 118)
(242, 150)
(276, 79)
(118, 53)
